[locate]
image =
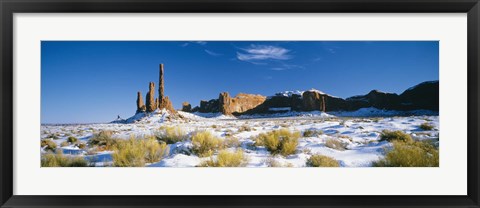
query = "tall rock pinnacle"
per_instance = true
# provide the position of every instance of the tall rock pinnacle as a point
(151, 104)
(163, 101)
(140, 106)
(160, 84)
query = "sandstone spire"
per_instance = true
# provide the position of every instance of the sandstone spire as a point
(160, 84)
(163, 101)
(140, 105)
(151, 104)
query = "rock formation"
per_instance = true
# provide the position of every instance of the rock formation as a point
(163, 101)
(210, 106)
(140, 105)
(224, 103)
(228, 105)
(166, 104)
(422, 96)
(186, 107)
(151, 104)
(312, 100)
(376, 99)
(160, 83)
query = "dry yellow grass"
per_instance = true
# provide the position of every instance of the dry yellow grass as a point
(336, 144)
(205, 144)
(59, 160)
(136, 152)
(281, 141)
(227, 159)
(414, 154)
(171, 134)
(321, 161)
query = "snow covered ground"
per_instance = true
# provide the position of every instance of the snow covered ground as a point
(358, 130)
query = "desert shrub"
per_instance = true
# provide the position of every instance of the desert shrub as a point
(48, 145)
(64, 144)
(321, 161)
(271, 162)
(53, 136)
(129, 153)
(171, 134)
(214, 126)
(395, 136)
(312, 133)
(414, 154)
(59, 160)
(227, 159)
(155, 150)
(426, 126)
(72, 139)
(103, 139)
(205, 144)
(336, 144)
(280, 141)
(81, 145)
(231, 142)
(244, 128)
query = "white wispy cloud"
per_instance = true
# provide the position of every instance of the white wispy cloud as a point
(263, 52)
(212, 53)
(200, 42)
(196, 42)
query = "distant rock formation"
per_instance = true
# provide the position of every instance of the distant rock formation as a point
(186, 107)
(210, 106)
(151, 104)
(313, 100)
(243, 102)
(140, 105)
(224, 103)
(424, 96)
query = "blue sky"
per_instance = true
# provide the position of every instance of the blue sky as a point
(94, 81)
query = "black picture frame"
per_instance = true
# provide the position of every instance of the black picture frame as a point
(9, 7)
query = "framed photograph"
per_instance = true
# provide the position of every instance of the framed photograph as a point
(239, 104)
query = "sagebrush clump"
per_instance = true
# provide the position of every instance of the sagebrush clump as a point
(271, 162)
(205, 144)
(48, 145)
(103, 139)
(59, 160)
(281, 141)
(426, 126)
(171, 134)
(72, 139)
(129, 153)
(227, 159)
(391, 136)
(135, 152)
(321, 161)
(312, 133)
(155, 151)
(413, 154)
(336, 144)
